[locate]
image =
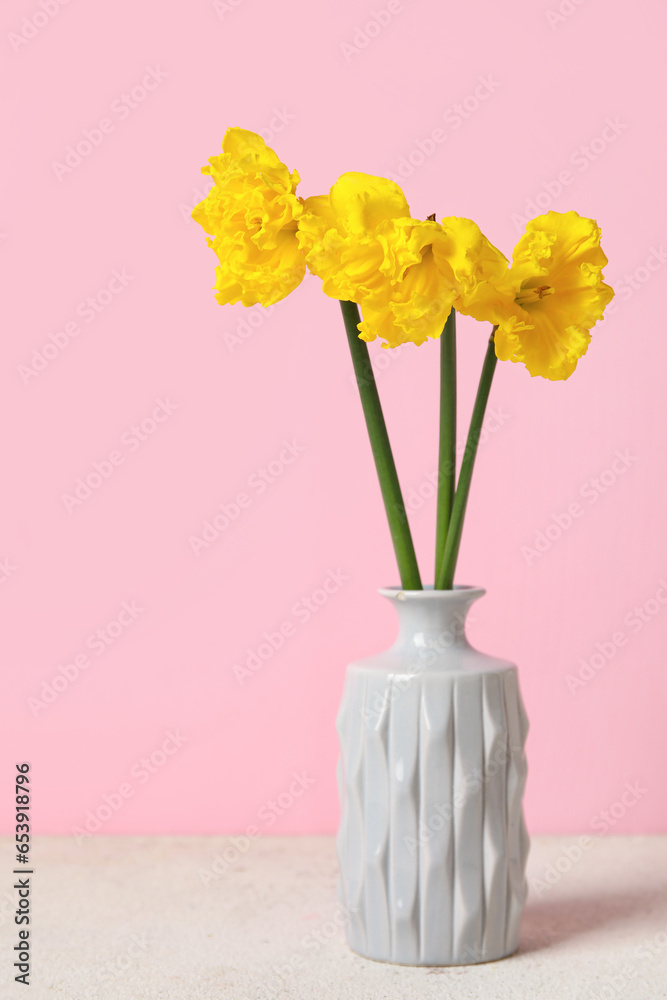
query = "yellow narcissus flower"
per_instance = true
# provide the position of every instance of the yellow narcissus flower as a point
(360, 240)
(404, 273)
(413, 295)
(251, 213)
(551, 296)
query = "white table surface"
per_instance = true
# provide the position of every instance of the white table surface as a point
(130, 918)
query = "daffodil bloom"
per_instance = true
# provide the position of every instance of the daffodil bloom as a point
(415, 292)
(361, 241)
(551, 296)
(251, 213)
(363, 244)
(406, 274)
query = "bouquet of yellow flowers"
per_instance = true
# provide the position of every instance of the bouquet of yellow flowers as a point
(404, 279)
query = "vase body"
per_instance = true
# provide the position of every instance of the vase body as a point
(432, 844)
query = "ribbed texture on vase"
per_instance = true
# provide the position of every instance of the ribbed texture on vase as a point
(432, 845)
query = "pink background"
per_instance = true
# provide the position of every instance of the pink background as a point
(551, 86)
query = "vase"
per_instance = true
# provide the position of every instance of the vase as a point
(432, 844)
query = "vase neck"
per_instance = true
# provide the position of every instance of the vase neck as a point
(432, 621)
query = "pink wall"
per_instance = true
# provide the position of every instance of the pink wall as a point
(547, 86)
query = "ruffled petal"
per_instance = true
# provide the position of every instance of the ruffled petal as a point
(361, 202)
(559, 295)
(480, 271)
(413, 311)
(360, 240)
(251, 213)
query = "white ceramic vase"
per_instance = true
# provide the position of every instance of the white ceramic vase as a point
(432, 844)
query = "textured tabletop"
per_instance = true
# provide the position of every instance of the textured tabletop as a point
(179, 918)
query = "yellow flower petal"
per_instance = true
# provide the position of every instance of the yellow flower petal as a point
(252, 213)
(559, 294)
(361, 202)
(239, 142)
(478, 269)
(250, 276)
(361, 241)
(415, 308)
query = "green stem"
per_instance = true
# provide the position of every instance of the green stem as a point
(447, 451)
(384, 459)
(445, 579)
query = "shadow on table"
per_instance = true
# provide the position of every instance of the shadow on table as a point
(551, 921)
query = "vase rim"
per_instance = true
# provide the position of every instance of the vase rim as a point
(459, 589)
